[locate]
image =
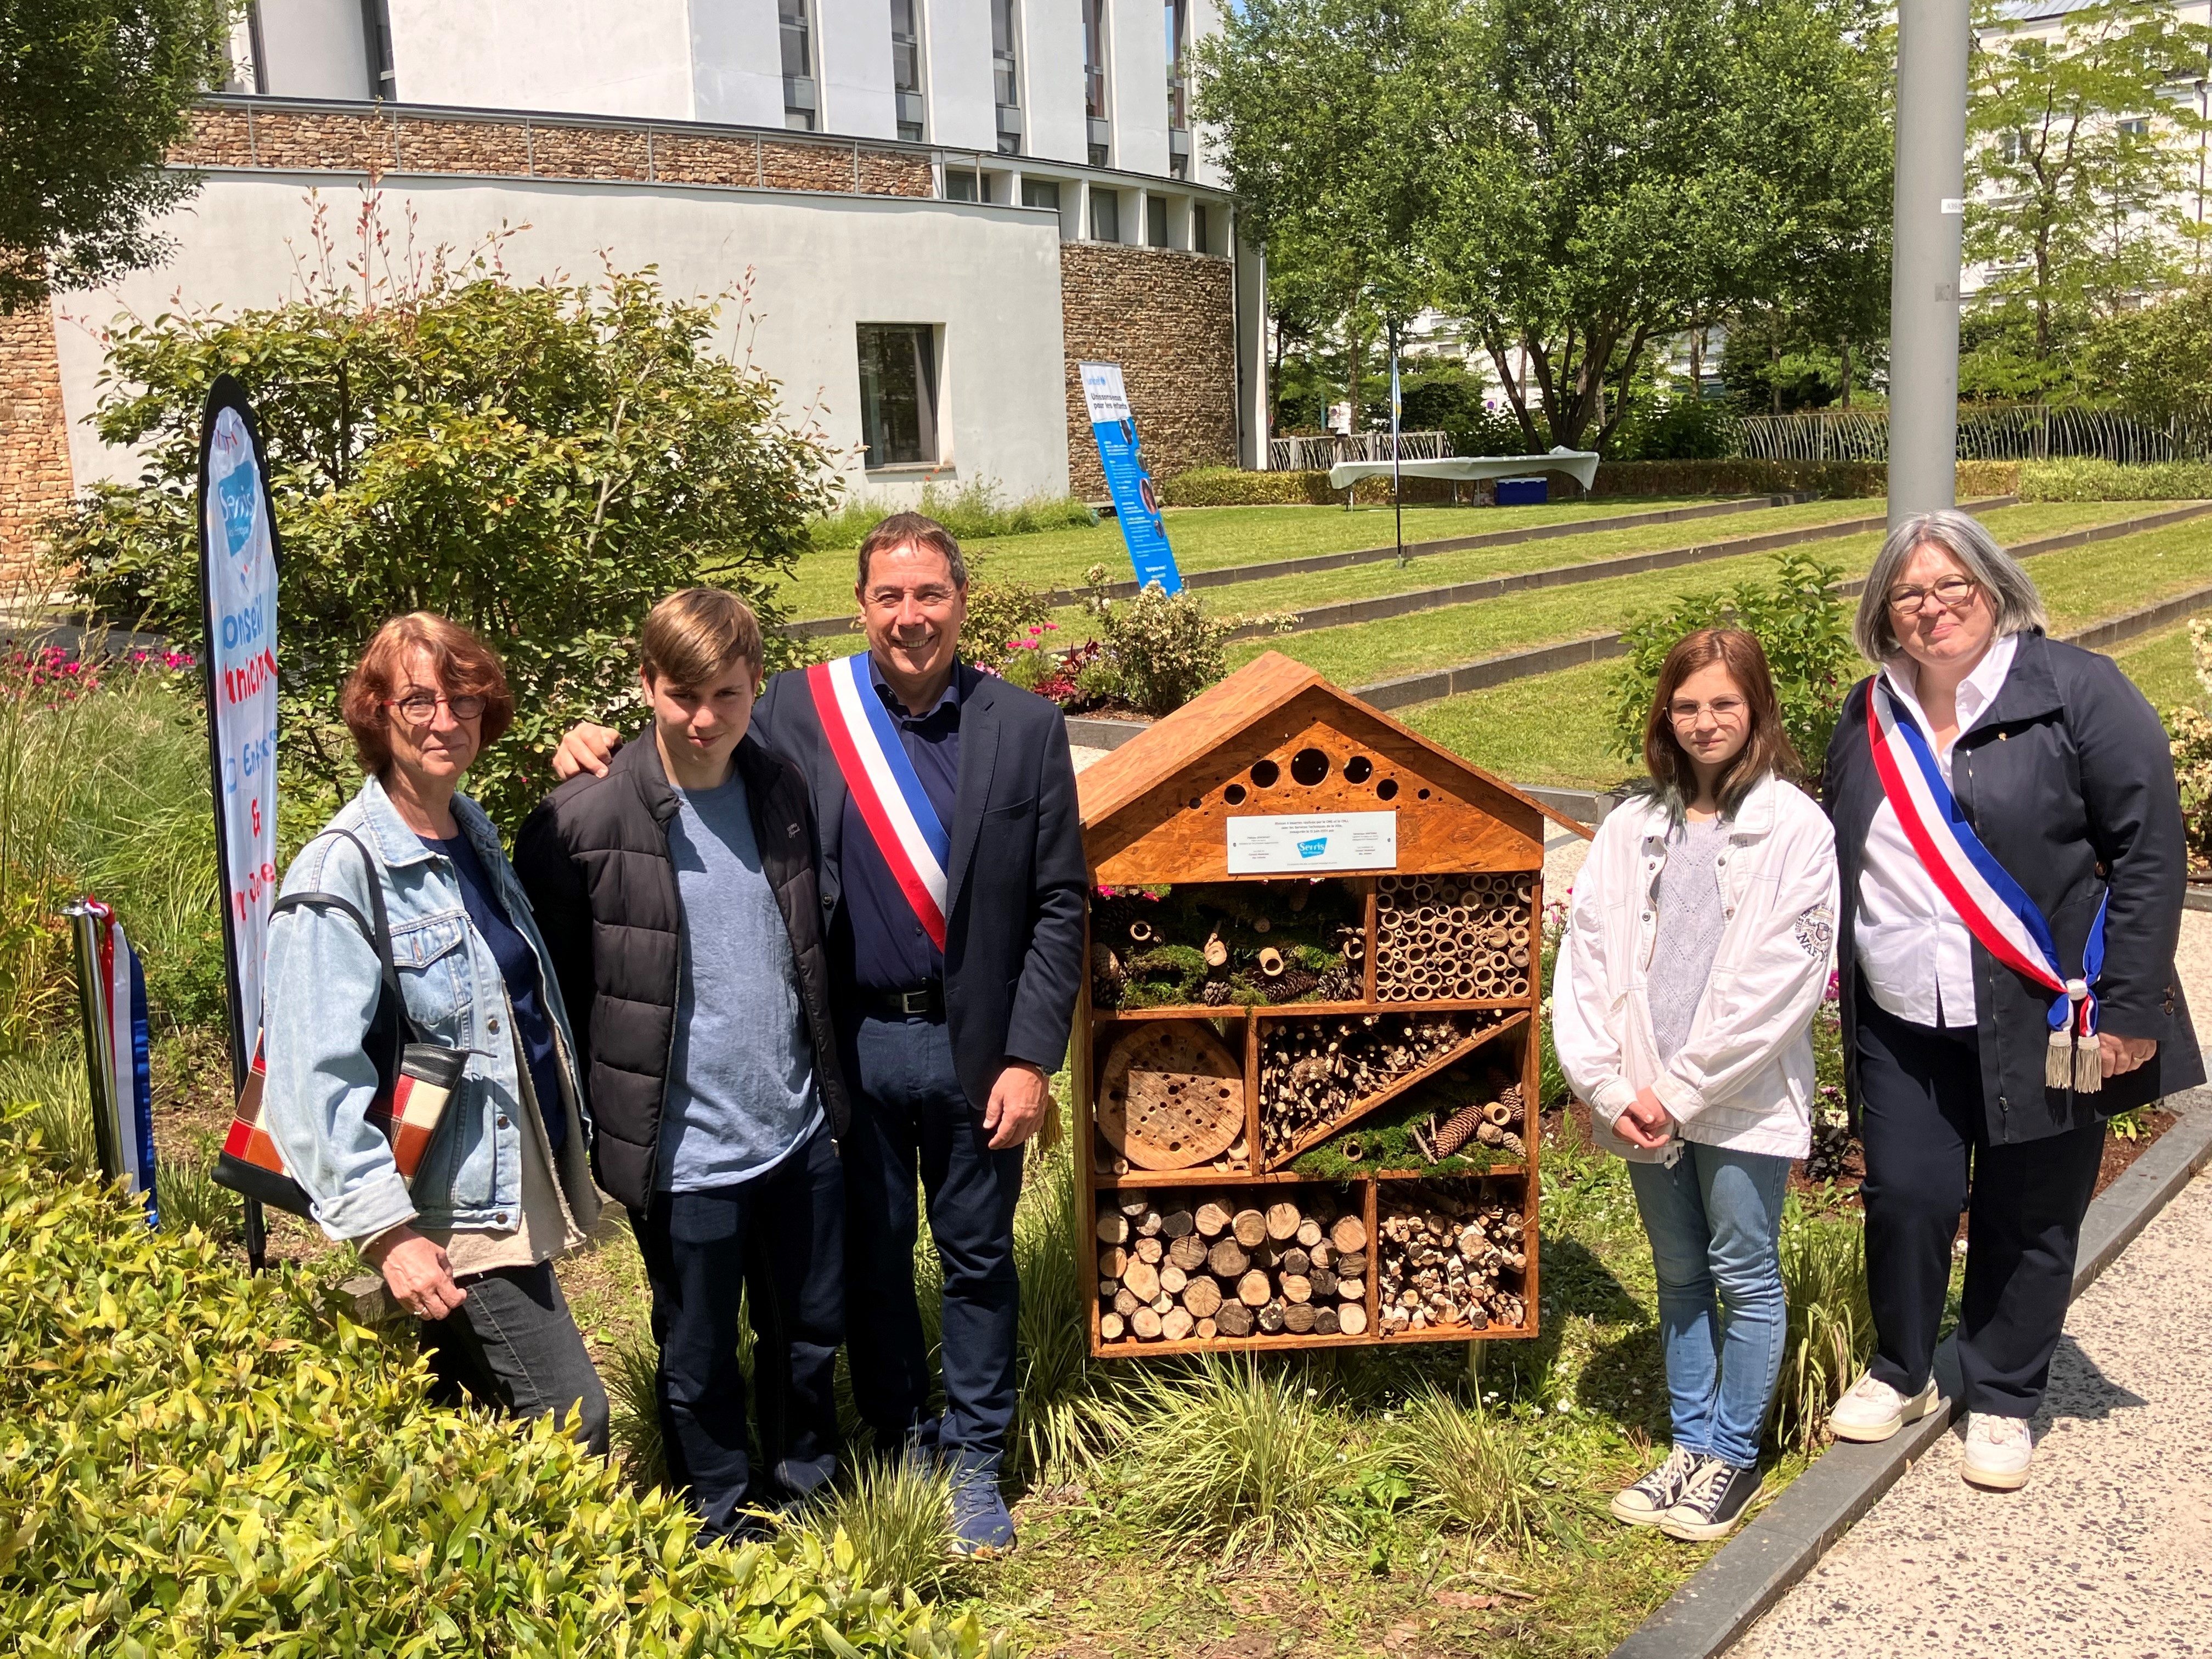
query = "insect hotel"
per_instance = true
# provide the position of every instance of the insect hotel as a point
(1306, 1047)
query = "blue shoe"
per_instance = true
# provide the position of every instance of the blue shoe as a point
(980, 1520)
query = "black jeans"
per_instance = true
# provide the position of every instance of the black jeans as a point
(778, 1237)
(512, 1345)
(911, 1117)
(1923, 1127)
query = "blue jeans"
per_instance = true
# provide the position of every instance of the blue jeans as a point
(1714, 1223)
(912, 1118)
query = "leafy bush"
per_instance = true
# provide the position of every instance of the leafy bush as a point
(1831, 1330)
(1157, 651)
(973, 512)
(1800, 619)
(2081, 479)
(1674, 429)
(193, 1463)
(539, 462)
(1229, 486)
(1009, 629)
(2190, 731)
(1838, 479)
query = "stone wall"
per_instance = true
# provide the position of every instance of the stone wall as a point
(386, 141)
(34, 463)
(1170, 320)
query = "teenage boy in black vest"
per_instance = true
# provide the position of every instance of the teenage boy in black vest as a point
(677, 900)
(949, 1048)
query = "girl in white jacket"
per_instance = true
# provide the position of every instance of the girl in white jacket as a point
(1695, 955)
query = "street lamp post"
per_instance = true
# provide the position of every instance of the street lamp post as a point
(1932, 39)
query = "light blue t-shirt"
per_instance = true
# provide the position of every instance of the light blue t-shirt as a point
(741, 1093)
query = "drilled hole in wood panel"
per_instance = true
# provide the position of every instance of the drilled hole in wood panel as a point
(1387, 790)
(1234, 794)
(1308, 767)
(1264, 773)
(1358, 769)
(1195, 803)
(1424, 795)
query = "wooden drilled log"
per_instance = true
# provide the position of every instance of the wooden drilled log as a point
(1255, 1289)
(1350, 1233)
(1188, 1253)
(1112, 1261)
(1282, 1221)
(1113, 1229)
(1353, 1319)
(1142, 1280)
(1206, 1330)
(1250, 1227)
(1352, 1290)
(1299, 1318)
(1175, 1324)
(1212, 1219)
(1296, 1287)
(1146, 1324)
(1150, 1250)
(1309, 1231)
(1173, 1279)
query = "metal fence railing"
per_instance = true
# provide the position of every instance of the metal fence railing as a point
(1315, 454)
(2003, 432)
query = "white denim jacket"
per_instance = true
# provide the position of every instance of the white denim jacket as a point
(1744, 1078)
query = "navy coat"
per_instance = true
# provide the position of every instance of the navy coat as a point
(2068, 779)
(1018, 887)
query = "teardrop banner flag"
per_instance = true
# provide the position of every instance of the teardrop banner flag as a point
(238, 586)
(1136, 506)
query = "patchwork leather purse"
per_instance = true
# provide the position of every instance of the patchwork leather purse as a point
(415, 1078)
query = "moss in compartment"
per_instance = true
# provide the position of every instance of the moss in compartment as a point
(1384, 1137)
(1168, 967)
(1164, 976)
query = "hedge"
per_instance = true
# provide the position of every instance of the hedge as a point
(192, 1463)
(2086, 480)
(1221, 486)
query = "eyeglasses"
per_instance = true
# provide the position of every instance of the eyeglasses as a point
(1953, 593)
(421, 707)
(1726, 710)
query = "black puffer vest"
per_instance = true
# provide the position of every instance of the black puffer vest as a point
(594, 859)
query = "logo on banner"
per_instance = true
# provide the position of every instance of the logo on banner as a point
(1136, 503)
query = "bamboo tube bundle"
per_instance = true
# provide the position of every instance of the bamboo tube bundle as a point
(1460, 936)
(1450, 1259)
(1321, 1071)
(1176, 1264)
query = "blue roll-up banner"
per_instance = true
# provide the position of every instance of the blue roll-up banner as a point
(1135, 503)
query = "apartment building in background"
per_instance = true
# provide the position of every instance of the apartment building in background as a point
(936, 208)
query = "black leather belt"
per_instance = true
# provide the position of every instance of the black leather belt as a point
(922, 1002)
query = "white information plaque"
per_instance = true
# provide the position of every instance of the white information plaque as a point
(1320, 841)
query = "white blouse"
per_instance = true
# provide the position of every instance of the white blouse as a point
(1916, 956)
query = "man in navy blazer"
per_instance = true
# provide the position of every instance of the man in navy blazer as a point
(949, 1051)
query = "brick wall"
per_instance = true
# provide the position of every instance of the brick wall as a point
(1169, 319)
(34, 463)
(229, 134)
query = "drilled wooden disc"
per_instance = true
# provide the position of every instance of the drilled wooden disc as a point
(1172, 1094)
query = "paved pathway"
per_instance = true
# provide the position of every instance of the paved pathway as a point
(2108, 1549)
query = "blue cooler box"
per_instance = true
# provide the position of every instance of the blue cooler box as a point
(1523, 492)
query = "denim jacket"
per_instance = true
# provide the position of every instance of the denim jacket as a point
(320, 992)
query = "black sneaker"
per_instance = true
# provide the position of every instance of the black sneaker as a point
(1713, 1500)
(1642, 1503)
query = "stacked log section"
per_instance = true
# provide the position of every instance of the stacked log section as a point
(1449, 1258)
(1316, 1073)
(1174, 1265)
(1463, 937)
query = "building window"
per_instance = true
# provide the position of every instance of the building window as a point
(799, 105)
(1040, 193)
(1006, 74)
(1155, 221)
(1094, 80)
(1178, 50)
(898, 394)
(966, 185)
(1200, 242)
(1105, 216)
(376, 36)
(906, 68)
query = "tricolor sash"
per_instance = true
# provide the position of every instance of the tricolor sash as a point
(884, 786)
(1995, 908)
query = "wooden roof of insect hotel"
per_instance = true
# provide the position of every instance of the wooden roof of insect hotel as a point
(1155, 809)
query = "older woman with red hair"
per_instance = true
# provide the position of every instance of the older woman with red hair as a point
(504, 1185)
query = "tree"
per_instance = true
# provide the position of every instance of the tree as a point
(540, 461)
(92, 94)
(2157, 359)
(2072, 168)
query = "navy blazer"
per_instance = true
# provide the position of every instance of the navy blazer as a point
(2068, 779)
(1018, 883)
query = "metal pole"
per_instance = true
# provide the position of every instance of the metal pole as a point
(1397, 484)
(99, 1058)
(1932, 41)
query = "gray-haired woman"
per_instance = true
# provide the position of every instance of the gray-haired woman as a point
(2009, 839)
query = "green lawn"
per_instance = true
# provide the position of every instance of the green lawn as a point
(2162, 667)
(1554, 730)
(1210, 538)
(1363, 652)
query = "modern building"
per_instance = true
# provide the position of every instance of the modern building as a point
(933, 209)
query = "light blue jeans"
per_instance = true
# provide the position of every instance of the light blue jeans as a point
(1714, 1223)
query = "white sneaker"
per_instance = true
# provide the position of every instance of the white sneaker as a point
(1874, 1411)
(1998, 1451)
